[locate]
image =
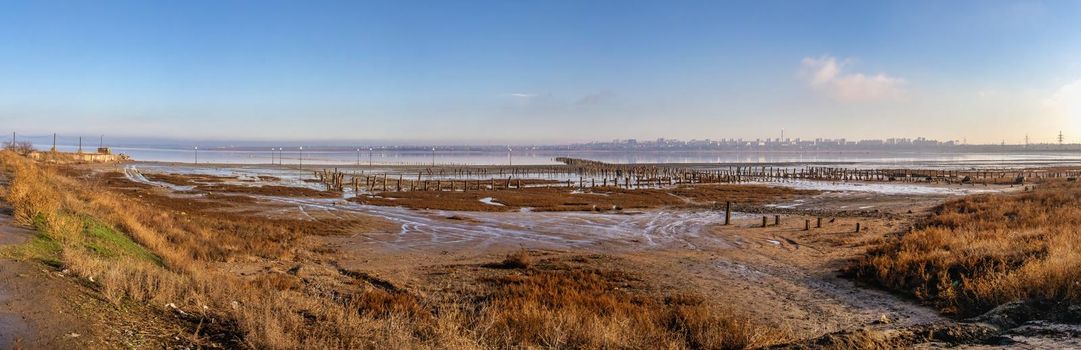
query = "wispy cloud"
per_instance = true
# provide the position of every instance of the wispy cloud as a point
(827, 75)
(1066, 100)
(520, 94)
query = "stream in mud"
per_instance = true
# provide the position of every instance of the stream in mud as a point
(642, 229)
(648, 228)
(654, 228)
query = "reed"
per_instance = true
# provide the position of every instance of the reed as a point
(979, 252)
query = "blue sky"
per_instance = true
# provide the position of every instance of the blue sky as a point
(542, 71)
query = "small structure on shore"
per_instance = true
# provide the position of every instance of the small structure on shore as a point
(103, 155)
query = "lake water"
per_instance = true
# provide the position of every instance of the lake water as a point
(868, 159)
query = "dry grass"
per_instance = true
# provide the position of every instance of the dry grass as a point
(599, 199)
(983, 251)
(584, 303)
(190, 245)
(587, 309)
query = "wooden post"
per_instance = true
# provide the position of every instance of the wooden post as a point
(763, 221)
(857, 227)
(727, 212)
(818, 224)
(807, 225)
(776, 220)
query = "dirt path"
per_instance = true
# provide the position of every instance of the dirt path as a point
(38, 308)
(13, 327)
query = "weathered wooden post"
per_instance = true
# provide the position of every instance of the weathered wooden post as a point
(857, 227)
(763, 221)
(727, 212)
(818, 224)
(776, 220)
(807, 225)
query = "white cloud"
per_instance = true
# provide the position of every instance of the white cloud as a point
(521, 95)
(826, 75)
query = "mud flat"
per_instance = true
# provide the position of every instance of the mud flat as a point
(774, 262)
(672, 243)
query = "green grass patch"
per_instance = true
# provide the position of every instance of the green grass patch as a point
(111, 243)
(40, 247)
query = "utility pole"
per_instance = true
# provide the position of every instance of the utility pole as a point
(101, 142)
(1060, 137)
(80, 144)
(301, 157)
(433, 156)
(369, 157)
(510, 157)
(196, 154)
(1026, 140)
(54, 143)
(358, 156)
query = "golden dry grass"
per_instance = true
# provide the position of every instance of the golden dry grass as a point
(581, 308)
(187, 277)
(979, 252)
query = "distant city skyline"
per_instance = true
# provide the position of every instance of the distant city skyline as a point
(87, 142)
(497, 72)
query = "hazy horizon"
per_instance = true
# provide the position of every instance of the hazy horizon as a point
(88, 142)
(542, 73)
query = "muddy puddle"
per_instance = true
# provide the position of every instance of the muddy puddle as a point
(12, 327)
